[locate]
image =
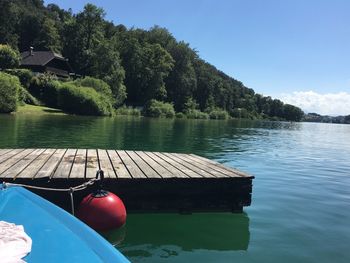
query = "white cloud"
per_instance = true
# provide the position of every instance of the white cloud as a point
(324, 104)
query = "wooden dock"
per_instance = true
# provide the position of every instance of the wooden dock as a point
(146, 181)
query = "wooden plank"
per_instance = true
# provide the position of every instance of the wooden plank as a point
(50, 166)
(133, 169)
(78, 168)
(4, 151)
(92, 164)
(190, 166)
(213, 165)
(118, 166)
(105, 164)
(219, 165)
(12, 161)
(176, 173)
(9, 155)
(178, 165)
(146, 169)
(163, 172)
(36, 165)
(207, 167)
(21, 164)
(65, 164)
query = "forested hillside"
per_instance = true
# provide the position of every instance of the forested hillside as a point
(139, 65)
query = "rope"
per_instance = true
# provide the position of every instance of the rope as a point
(75, 188)
(72, 200)
(71, 190)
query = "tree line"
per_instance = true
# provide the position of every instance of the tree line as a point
(140, 66)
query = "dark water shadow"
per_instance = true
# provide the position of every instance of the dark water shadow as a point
(52, 111)
(145, 234)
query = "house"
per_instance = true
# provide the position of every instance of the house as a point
(46, 62)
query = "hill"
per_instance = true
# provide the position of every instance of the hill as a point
(139, 65)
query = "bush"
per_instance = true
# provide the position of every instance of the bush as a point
(155, 108)
(97, 84)
(25, 97)
(9, 58)
(83, 101)
(196, 114)
(25, 76)
(45, 88)
(241, 113)
(180, 115)
(124, 110)
(219, 114)
(9, 86)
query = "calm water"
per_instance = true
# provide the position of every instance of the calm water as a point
(300, 210)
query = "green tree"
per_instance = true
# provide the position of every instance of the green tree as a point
(9, 17)
(292, 113)
(48, 37)
(9, 58)
(146, 67)
(82, 35)
(106, 64)
(182, 81)
(9, 87)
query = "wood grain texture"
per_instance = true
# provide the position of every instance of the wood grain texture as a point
(131, 166)
(222, 167)
(105, 164)
(92, 164)
(22, 164)
(9, 155)
(50, 166)
(205, 166)
(118, 165)
(4, 151)
(84, 163)
(199, 170)
(35, 166)
(146, 168)
(175, 172)
(79, 164)
(14, 159)
(178, 165)
(162, 171)
(65, 165)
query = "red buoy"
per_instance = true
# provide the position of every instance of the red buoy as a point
(102, 210)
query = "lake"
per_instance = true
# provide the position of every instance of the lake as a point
(300, 208)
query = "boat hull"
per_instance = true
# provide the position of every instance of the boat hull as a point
(57, 236)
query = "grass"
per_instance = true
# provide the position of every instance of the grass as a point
(38, 110)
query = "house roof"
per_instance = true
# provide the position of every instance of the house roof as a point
(39, 58)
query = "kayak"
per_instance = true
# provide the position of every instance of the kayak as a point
(56, 235)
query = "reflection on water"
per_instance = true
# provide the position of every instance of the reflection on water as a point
(175, 135)
(149, 234)
(301, 195)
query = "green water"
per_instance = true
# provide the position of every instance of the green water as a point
(300, 209)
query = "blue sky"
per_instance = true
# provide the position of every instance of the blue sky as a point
(295, 50)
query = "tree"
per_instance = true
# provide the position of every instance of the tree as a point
(146, 66)
(83, 34)
(9, 58)
(106, 64)
(277, 108)
(90, 23)
(8, 21)
(138, 64)
(292, 113)
(48, 37)
(181, 81)
(9, 87)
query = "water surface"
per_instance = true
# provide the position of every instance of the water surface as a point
(300, 208)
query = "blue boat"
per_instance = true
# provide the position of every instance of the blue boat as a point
(56, 235)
